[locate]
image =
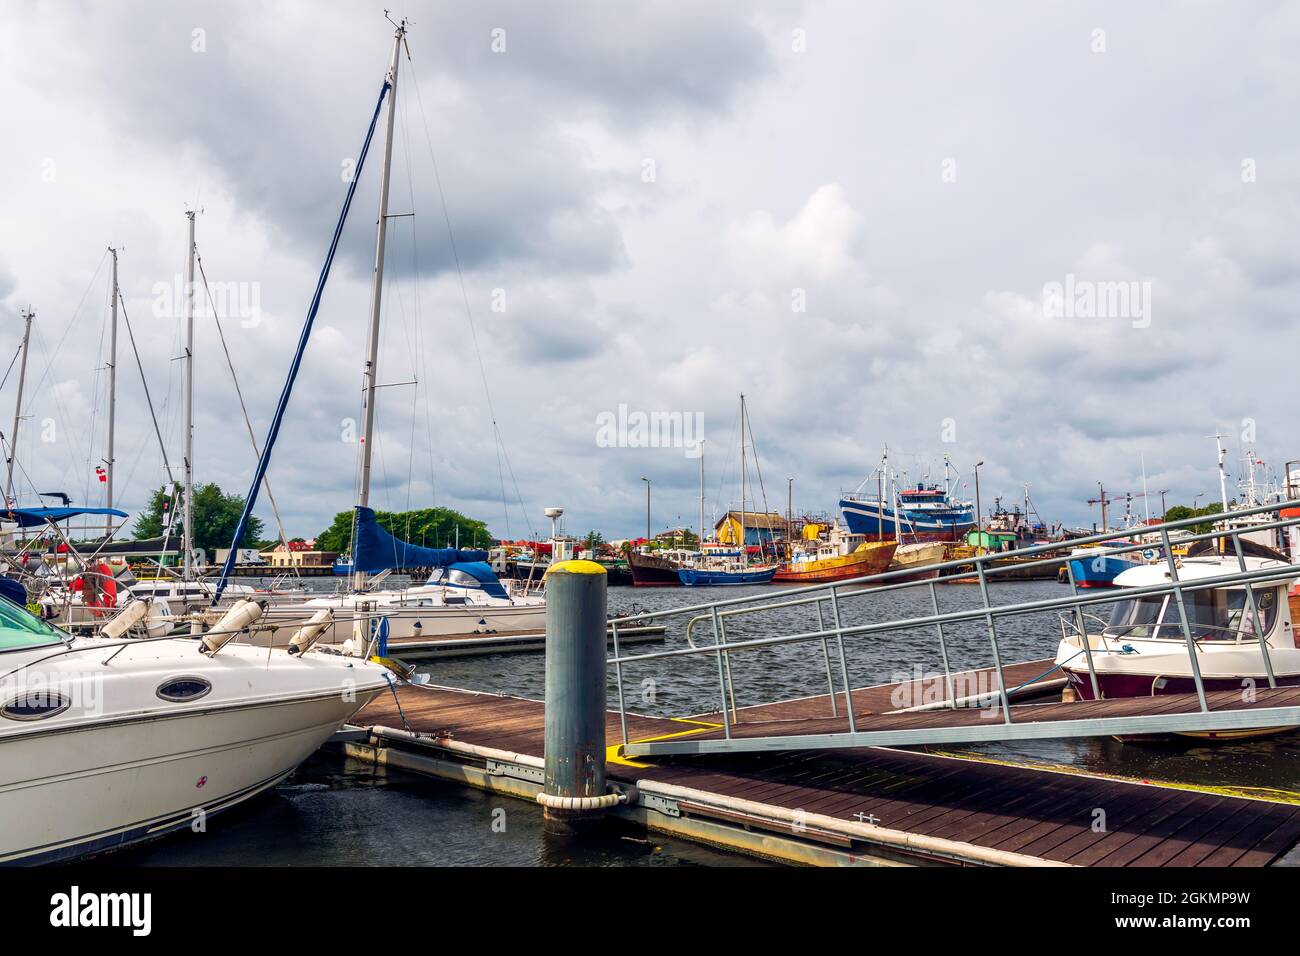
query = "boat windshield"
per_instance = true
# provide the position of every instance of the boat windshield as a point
(20, 630)
(1135, 617)
(1212, 615)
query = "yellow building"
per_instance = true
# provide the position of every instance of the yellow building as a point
(760, 527)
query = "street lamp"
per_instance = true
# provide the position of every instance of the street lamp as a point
(1163, 510)
(647, 508)
(979, 514)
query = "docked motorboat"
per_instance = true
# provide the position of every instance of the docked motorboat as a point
(107, 741)
(1141, 650)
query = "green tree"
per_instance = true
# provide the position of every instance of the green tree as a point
(431, 527)
(1180, 512)
(216, 515)
(593, 541)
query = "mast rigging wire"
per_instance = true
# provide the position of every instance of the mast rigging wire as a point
(239, 393)
(502, 454)
(304, 337)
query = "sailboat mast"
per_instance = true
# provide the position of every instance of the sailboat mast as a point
(112, 402)
(376, 290)
(744, 552)
(18, 406)
(187, 537)
(701, 541)
(1223, 475)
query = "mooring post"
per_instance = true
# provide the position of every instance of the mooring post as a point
(574, 784)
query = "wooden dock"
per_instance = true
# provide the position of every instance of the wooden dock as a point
(808, 722)
(864, 807)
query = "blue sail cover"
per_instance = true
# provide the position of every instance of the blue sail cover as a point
(374, 549)
(34, 517)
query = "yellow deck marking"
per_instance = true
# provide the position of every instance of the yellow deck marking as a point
(614, 754)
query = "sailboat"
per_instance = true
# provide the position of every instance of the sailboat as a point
(463, 595)
(109, 740)
(723, 568)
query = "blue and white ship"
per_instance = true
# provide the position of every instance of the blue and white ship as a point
(926, 512)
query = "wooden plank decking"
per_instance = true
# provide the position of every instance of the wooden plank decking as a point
(1043, 814)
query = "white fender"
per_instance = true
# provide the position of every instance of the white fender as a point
(311, 632)
(132, 614)
(240, 616)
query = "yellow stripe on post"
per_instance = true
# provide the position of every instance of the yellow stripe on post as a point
(576, 566)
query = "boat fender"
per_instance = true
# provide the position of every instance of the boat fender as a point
(234, 622)
(132, 614)
(311, 632)
(553, 802)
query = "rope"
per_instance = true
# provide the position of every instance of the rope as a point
(406, 724)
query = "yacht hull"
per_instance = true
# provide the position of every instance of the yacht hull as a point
(405, 621)
(71, 792)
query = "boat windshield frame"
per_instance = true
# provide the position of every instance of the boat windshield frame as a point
(1220, 615)
(21, 630)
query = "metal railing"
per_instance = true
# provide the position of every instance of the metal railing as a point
(982, 568)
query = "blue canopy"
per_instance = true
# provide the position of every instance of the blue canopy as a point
(480, 571)
(32, 517)
(374, 549)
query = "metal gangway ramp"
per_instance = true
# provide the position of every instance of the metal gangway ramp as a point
(849, 717)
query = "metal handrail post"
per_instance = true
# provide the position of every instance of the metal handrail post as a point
(722, 681)
(1083, 632)
(826, 654)
(943, 651)
(726, 666)
(1187, 628)
(1254, 612)
(618, 677)
(844, 667)
(993, 638)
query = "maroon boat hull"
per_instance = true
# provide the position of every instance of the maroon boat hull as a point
(649, 571)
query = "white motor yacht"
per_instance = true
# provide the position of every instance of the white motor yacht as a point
(107, 741)
(1142, 650)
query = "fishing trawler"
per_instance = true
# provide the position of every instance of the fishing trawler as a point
(925, 512)
(840, 556)
(657, 569)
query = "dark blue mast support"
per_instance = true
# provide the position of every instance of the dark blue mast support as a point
(265, 459)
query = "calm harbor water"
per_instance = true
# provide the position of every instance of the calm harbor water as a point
(337, 812)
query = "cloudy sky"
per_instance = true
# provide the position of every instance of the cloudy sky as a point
(850, 212)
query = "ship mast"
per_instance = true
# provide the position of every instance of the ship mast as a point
(112, 403)
(1223, 474)
(701, 541)
(28, 315)
(880, 494)
(376, 290)
(744, 552)
(187, 536)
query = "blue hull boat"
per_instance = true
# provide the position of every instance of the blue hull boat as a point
(704, 577)
(1096, 569)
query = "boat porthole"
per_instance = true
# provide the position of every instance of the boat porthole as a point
(181, 689)
(35, 705)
